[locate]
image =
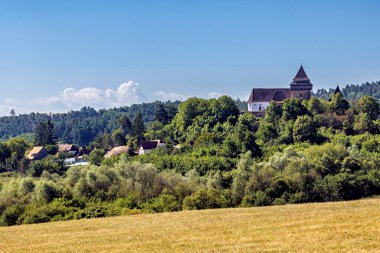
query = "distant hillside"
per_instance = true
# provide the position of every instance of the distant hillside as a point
(81, 126)
(353, 92)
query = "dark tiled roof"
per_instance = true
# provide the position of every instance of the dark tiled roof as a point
(149, 144)
(301, 74)
(279, 95)
(337, 90)
(67, 147)
(83, 151)
(117, 151)
(301, 78)
(266, 95)
(35, 151)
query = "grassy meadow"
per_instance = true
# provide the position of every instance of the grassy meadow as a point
(339, 226)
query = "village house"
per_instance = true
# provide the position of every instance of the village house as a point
(37, 153)
(148, 146)
(118, 150)
(68, 148)
(83, 151)
(260, 98)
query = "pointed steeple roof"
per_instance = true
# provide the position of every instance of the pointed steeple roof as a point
(301, 75)
(301, 80)
(337, 90)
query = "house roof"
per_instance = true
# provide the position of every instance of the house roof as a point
(66, 147)
(34, 152)
(117, 151)
(301, 78)
(150, 144)
(337, 90)
(83, 151)
(266, 95)
(301, 74)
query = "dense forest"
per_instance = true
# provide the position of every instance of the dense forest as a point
(353, 92)
(80, 127)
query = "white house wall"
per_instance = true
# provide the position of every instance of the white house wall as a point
(258, 106)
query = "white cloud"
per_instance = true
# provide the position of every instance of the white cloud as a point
(165, 96)
(71, 99)
(129, 93)
(214, 94)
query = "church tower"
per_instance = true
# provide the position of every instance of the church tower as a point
(301, 86)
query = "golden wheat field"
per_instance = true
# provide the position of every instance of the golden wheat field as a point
(341, 226)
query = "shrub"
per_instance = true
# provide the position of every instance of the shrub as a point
(48, 164)
(132, 201)
(47, 191)
(259, 198)
(203, 199)
(11, 215)
(279, 201)
(25, 187)
(163, 203)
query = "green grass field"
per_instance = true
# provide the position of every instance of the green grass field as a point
(341, 226)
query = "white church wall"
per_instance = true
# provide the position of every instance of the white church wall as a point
(257, 106)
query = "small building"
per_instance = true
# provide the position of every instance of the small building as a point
(337, 90)
(178, 146)
(148, 146)
(260, 98)
(118, 150)
(83, 151)
(37, 153)
(68, 148)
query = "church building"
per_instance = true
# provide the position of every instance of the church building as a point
(260, 98)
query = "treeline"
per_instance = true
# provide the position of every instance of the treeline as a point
(353, 92)
(79, 127)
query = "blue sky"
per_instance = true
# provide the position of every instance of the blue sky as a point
(61, 55)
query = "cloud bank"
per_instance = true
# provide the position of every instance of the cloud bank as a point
(125, 94)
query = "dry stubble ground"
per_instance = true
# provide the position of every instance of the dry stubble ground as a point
(341, 226)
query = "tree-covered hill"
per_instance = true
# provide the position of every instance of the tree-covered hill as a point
(81, 126)
(353, 91)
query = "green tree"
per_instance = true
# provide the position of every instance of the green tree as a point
(304, 129)
(315, 106)
(49, 164)
(189, 110)
(96, 156)
(18, 146)
(5, 152)
(125, 123)
(338, 104)
(292, 108)
(47, 191)
(118, 137)
(44, 133)
(364, 123)
(369, 105)
(273, 112)
(224, 107)
(266, 132)
(138, 127)
(161, 114)
(203, 199)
